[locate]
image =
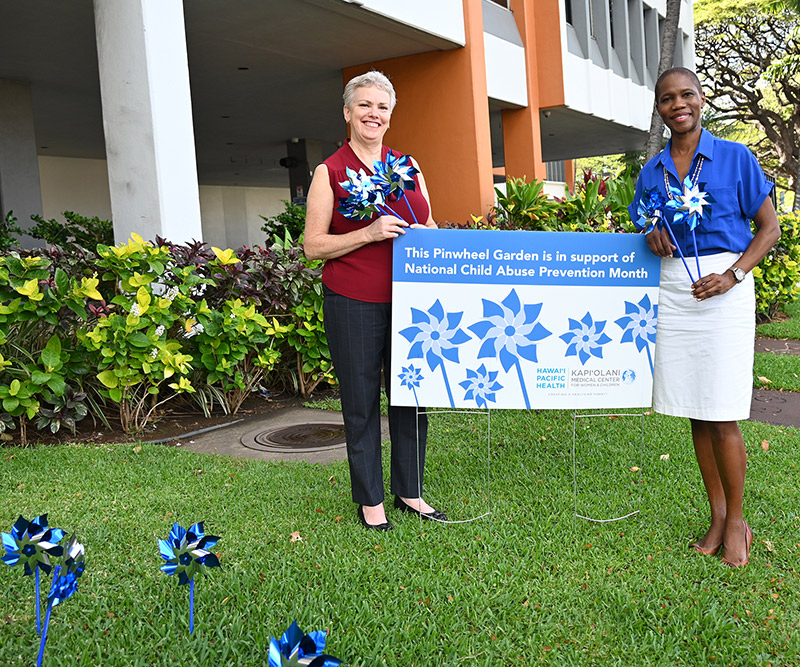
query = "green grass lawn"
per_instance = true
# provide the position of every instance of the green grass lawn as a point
(530, 584)
(789, 328)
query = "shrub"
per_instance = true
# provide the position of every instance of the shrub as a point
(778, 274)
(9, 229)
(136, 325)
(597, 205)
(291, 221)
(77, 230)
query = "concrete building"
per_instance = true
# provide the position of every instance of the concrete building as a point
(177, 118)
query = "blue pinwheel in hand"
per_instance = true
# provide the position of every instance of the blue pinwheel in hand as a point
(480, 386)
(364, 198)
(395, 176)
(435, 337)
(585, 338)
(295, 648)
(510, 332)
(639, 325)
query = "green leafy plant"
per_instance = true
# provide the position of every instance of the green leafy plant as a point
(75, 230)
(235, 346)
(65, 410)
(777, 277)
(9, 230)
(308, 345)
(597, 205)
(523, 206)
(291, 220)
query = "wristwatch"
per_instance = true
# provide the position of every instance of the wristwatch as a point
(738, 273)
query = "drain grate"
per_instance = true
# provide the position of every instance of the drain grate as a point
(297, 438)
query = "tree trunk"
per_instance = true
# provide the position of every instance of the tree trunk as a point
(665, 60)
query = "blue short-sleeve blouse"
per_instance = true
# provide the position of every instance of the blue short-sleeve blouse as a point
(731, 175)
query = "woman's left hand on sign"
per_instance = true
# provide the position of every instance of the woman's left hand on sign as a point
(660, 243)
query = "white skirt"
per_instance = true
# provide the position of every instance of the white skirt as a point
(704, 351)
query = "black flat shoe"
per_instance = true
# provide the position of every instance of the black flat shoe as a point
(372, 526)
(436, 515)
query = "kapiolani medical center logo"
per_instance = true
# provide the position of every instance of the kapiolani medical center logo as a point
(557, 377)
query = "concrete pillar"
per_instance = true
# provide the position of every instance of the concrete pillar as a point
(20, 189)
(302, 157)
(147, 118)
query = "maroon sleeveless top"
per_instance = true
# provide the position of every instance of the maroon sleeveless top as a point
(366, 273)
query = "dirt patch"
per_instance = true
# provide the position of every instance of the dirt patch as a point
(172, 422)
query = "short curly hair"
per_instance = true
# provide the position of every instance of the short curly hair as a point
(371, 79)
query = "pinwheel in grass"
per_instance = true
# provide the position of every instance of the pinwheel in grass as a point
(650, 216)
(410, 377)
(690, 204)
(395, 176)
(65, 583)
(295, 648)
(435, 337)
(186, 553)
(481, 386)
(510, 332)
(585, 338)
(32, 543)
(639, 325)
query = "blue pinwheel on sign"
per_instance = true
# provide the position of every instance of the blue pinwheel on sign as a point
(411, 377)
(435, 337)
(295, 648)
(481, 386)
(510, 332)
(639, 325)
(585, 338)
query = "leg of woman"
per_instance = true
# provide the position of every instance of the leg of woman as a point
(409, 435)
(355, 332)
(731, 458)
(704, 451)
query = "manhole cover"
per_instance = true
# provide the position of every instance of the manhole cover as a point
(297, 438)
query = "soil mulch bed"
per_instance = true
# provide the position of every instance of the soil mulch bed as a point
(172, 422)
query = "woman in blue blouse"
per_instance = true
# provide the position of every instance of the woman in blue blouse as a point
(706, 322)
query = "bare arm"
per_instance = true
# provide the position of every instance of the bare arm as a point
(319, 243)
(767, 235)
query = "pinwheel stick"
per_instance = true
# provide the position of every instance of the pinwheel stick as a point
(383, 209)
(191, 606)
(522, 385)
(46, 616)
(680, 252)
(405, 199)
(38, 611)
(696, 256)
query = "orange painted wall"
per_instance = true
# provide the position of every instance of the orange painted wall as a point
(550, 72)
(522, 142)
(442, 120)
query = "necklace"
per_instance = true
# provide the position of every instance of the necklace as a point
(692, 179)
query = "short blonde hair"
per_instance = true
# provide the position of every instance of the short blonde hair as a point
(372, 79)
